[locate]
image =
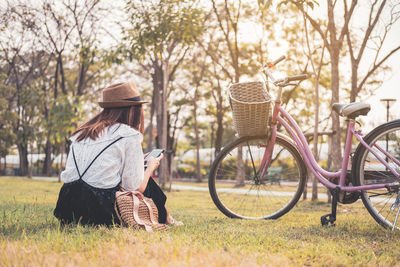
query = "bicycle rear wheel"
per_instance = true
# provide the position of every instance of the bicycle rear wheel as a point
(367, 169)
(242, 193)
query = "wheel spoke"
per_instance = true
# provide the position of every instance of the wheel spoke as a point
(252, 160)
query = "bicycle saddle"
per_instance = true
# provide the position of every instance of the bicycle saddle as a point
(351, 110)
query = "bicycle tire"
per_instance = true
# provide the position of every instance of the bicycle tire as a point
(222, 180)
(366, 169)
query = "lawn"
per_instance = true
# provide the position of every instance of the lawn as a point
(30, 235)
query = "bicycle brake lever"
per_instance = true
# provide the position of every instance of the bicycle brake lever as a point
(281, 82)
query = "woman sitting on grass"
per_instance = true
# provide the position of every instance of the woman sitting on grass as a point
(106, 154)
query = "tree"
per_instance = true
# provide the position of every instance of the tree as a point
(7, 119)
(159, 37)
(194, 71)
(215, 76)
(68, 30)
(228, 16)
(333, 37)
(316, 68)
(22, 61)
(333, 43)
(62, 120)
(374, 39)
(87, 21)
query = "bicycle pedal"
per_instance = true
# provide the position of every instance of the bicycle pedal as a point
(328, 220)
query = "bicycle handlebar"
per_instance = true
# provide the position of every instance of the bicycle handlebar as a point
(297, 77)
(278, 60)
(273, 63)
(285, 81)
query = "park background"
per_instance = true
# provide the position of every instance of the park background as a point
(57, 56)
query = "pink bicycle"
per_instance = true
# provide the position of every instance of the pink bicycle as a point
(273, 170)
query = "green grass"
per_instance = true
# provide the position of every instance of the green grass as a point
(30, 235)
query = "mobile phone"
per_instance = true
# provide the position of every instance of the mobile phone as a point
(154, 153)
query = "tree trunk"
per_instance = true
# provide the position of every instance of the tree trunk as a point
(240, 168)
(220, 120)
(150, 130)
(329, 164)
(354, 87)
(171, 168)
(197, 139)
(170, 152)
(62, 74)
(61, 161)
(305, 188)
(56, 79)
(162, 124)
(30, 164)
(81, 81)
(47, 169)
(314, 196)
(219, 133)
(336, 144)
(240, 177)
(2, 171)
(23, 159)
(212, 157)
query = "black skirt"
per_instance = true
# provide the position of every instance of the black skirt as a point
(79, 202)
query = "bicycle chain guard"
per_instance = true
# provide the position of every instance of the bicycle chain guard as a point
(347, 197)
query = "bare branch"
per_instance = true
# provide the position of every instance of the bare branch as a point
(215, 59)
(347, 17)
(315, 24)
(375, 67)
(370, 28)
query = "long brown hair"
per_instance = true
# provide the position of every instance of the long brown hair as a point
(132, 116)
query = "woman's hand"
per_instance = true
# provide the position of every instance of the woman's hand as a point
(153, 163)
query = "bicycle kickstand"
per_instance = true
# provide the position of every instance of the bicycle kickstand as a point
(329, 219)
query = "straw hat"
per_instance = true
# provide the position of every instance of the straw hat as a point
(121, 95)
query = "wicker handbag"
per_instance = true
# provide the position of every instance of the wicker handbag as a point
(137, 211)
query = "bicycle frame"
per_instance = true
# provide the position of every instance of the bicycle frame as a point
(282, 117)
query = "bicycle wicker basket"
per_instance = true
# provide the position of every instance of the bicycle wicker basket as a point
(251, 105)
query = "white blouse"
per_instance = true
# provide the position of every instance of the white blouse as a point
(122, 161)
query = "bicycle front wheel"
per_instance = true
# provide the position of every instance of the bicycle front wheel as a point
(369, 170)
(237, 188)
